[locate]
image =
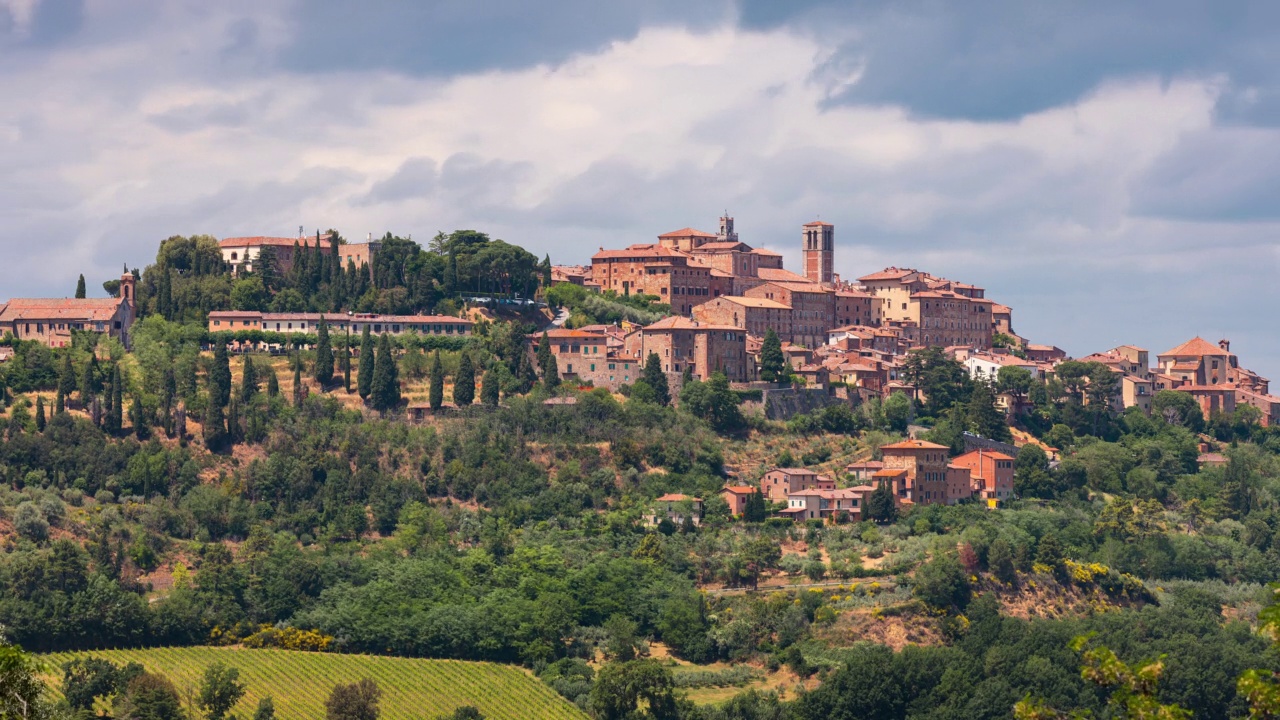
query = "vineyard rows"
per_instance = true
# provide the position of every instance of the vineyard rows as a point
(412, 689)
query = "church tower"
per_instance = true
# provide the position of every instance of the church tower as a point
(819, 252)
(727, 233)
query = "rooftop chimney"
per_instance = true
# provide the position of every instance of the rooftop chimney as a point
(1225, 344)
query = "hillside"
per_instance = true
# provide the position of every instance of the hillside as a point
(412, 689)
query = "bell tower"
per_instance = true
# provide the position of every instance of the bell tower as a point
(819, 251)
(727, 233)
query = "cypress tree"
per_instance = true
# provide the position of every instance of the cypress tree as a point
(364, 379)
(547, 363)
(115, 413)
(464, 384)
(67, 377)
(141, 429)
(40, 420)
(89, 380)
(656, 379)
(220, 375)
(273, 384)
(773, 364)
(525, 373)
(298, 389)
(248, 380)
(490, 385)
(215, 432)
(346, 363)
(324, 354)
(80, 291)
(386, 377)
(164, 295)
(168, 391)
(233, 421)
(59, 402)
(436, 396)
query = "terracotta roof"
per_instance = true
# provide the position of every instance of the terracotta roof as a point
(795, 471)
(914, 445)
(818, 222)
(1211, 458)
(39, 309)
(639, 251)
(723, 245)
(687, 232)
(1196, 346)
(260, 240)
(738, 489)
(798, 286)
(852, 293)
(763, 251)
(891, 273)
(679, 322)
(677, 497)
(993, 454)
(778, 275)
(867, 464)
(563, 333)
(998, 308)
(889, 472)
(754, 302)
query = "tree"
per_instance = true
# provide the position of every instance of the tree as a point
(40, 420)
(66, 377)
(249, 293)
(1016, 382)
(654, 377)
(324, 355)
(248, 380)
(266, 709)
(491, 385)
(897, 411)
(1000, 561)
(138, 418)
(149, 697)
(357, 701)
(755, 508)
(1178, 408)
(220, 690)
(982, 415)
(1132, 689)
(346, 363)
(882, 507)
(942, 380)
(942, 583)
(115, 411)
(215, 430)
(773, 364)
(22, 691)
(364, 379)
(547, 363)
(273, 384)
(464, 384)
(85, 679)
(466, 712)
(714, 401)
(89, 380)
(80, 289)
(220, 375)
(621, 686)
(386, 377)
(435, 395)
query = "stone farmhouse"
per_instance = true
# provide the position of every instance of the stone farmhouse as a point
(52, 320)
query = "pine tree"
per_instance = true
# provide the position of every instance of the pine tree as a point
(80, 290)
(220, 375)
(248, 380)
(547, 363)
(386, 377)
(141, 429)
(464, 384)
(436, 395)
(115, 411)
(656, 379)
(67, 376)
(773, 364)
(490, 385)
(273, 384)
(40, 420)
(324, 353)
(346, 363)
(364, 379)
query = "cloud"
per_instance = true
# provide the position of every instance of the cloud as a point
(1112, 207)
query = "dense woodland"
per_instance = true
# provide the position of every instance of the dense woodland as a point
(181, 495)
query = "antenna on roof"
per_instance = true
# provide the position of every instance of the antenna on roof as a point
(300, 231)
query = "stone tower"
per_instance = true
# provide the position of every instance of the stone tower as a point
(819, 252)
(727, 233)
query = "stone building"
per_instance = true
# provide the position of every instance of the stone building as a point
(52, 320)
(925, 464)
(755, 315)
(702, 348)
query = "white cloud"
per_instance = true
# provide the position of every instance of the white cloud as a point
(117, 149)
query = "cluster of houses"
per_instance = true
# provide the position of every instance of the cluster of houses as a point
(915, 471)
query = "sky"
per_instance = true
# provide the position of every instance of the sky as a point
(1111, 170)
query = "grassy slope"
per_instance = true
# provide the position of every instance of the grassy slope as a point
(300, 682)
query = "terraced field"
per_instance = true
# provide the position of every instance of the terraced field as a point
(299, 682)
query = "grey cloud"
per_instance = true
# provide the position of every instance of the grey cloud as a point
(415, 178)
(190, 118)
(1220, 174)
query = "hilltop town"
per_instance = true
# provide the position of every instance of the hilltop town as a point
(682, 467)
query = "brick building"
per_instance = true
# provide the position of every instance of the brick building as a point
(753, 314)
(339, 323)
(703, 348)
(819, 252)
(780, 483)
(51, 320)
(653, 270)
(241, 252)
(925, 464)
(812, 309)
(991, 473)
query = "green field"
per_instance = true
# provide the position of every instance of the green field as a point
(299, 682)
